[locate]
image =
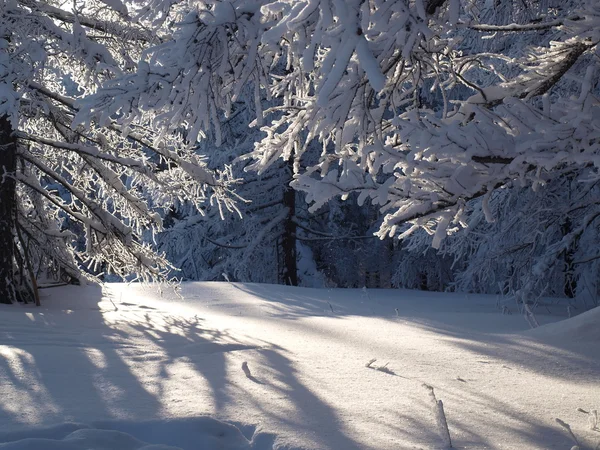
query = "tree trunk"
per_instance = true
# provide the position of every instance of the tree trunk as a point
(566, 228)
(570, 283)
(288, 244)
(8, 164)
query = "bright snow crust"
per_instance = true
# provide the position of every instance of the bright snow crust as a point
(241, 366)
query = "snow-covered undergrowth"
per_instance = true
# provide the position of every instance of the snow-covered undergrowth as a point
(243, 366)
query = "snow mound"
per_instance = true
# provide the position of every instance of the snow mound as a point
(583, 327)
(198, 433)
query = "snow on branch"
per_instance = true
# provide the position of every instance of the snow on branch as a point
(515, 27)
(87, 150)
(112, 28)
(392, 102)
(90, 198)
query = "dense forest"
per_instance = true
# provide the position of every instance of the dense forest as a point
(430, 144)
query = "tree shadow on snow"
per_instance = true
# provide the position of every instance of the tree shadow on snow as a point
(288, 302)
(475, 325)
(62, 360)
(78, 358)
(499, 361)
(306, 412)
(86, 357)
(561, 359)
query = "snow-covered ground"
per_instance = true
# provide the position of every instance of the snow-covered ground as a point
(244, 366)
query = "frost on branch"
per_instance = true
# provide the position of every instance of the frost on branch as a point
(88, 199)
(455, 122)
(187, 85)
(423, 165)
(429, 110)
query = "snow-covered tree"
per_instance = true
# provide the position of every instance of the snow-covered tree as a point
(356, 81)
(239, 247)
(274, 239)
(77, 200)
(527, 241)
(541, 244)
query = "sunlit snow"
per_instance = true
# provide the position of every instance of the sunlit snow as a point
(243, 366)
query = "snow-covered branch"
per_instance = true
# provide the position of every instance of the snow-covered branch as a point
(515, 27)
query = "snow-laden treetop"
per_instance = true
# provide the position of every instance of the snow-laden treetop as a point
(358, 78)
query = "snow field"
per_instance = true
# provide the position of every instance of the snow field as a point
(243, 366)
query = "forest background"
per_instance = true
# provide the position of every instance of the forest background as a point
(436, 145)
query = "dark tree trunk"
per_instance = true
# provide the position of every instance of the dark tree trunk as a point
(8, 164)
(566, 228)
(432, 5)
(570, 284)
(288, 244)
